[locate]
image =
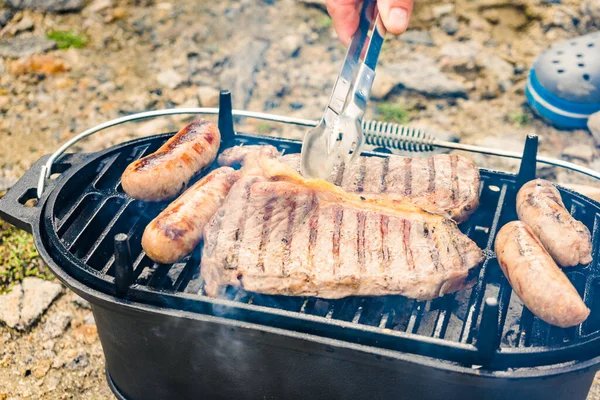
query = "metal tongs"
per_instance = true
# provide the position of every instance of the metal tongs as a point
(338, 138)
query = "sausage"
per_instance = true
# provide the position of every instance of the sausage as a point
(536, 279)
(540, 206)
(166, 173)
(177, 230)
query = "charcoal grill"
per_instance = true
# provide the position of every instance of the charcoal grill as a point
(163, 338)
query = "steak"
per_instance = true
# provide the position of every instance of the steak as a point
(279, 233)
(446, 184)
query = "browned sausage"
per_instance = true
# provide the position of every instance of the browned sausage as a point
(567, 240)
(536, 279)
(165, 173)
(176, 231)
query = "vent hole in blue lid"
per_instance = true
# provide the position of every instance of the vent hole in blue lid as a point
(555, 61)
(579, 55)
(581, 65)
(560, 71)
(590, 44)
(586, 77)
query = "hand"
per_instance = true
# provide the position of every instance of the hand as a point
(345, 14)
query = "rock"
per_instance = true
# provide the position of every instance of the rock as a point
(502, 69)
(460, 55)
(290, 46)
(81, 361)
(5, 16)
(6, 183)
(238, 74)
(419, 73)
(98, 5)
(88, 319)
(47, 5)
(441, 10)
(169, 78)
(81, 302)
(449, 24)
(591, 10)
(580, 151)
(56, 324)
(39, 64)
(417, 37)
(594, 126)
(208, 96)
(27, 301)
(86, 333)
(41, 368)
(24, 47)
(24, 25)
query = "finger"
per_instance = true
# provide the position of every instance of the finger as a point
(345, 15)
(395, 14)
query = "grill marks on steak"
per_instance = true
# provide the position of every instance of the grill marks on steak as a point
(286, 235)
(443, 184)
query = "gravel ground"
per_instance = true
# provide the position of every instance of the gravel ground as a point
(459, 72)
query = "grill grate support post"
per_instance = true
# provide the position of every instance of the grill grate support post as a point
(527, 169)
(226, 118)
(488, 338)
(123, 265)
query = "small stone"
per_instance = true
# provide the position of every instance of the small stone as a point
(290, 46)
(463, 51)
(419, 73)
(502, 69)
(81, 361)
(39, 64)
(5, 16)
(81, 302)
(88, 319)
(580, 151)
(24, 47)
(208, 96)
(449, 24)
(441, 10)
(41, 368)
(27, 301)
(24, 25)
(417, 37)
(169, 78)
(56, 324)
(98, 5)
(47, 5)
(86, 333)
(594, 126)
(591, 9)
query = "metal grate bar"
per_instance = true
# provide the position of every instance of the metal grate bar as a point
(111, 226)
(479, 288)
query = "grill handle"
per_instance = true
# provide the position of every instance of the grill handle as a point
(20, 205)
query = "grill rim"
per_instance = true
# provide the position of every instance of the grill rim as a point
(143, 293)
(39, 225)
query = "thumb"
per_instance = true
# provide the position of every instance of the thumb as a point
(395, 14)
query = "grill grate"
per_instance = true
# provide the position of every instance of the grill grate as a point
(89, 207)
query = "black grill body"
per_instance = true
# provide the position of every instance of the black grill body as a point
(163, 338)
